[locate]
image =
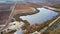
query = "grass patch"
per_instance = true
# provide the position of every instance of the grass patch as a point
(49, 29)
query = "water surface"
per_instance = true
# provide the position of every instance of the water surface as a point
(40, 17)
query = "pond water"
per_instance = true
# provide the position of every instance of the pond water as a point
(40, 17)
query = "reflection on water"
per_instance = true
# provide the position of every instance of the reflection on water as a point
(40, 17)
